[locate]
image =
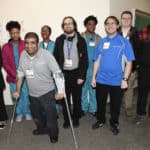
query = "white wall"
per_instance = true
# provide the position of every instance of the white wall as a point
(117, 6)
(34, 13)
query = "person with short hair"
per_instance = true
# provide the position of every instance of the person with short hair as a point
(88, 99)
(47, 43)
(130, 33)
(38, 67)
(11, 52)
(110, 74)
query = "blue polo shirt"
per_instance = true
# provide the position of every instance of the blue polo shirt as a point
(112, 53)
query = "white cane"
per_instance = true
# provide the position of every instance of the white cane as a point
(11, 122)
(72, 129)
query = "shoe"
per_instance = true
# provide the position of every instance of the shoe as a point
(139, 119)
(66, 125)
(18, 118)
(115, 129)
(76, 123)
(97, 125)
(93, 114)
(130, 112)
(54, 139)
(28, 117)
(38, 132)
(2, 126)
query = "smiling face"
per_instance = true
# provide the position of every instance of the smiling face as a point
(45, 32)
(31, 46)
(111, 27)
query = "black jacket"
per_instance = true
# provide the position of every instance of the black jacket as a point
(82, 53)
(135, 42)
(2, 83)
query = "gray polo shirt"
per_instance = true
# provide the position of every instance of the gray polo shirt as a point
(38, 72)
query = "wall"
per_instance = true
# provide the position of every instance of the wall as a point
(32, 14)
(117, 6)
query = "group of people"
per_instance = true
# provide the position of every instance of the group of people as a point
(84, 68)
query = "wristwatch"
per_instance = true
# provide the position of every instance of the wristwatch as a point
(125, 79)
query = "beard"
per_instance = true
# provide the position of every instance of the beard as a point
(69, 31)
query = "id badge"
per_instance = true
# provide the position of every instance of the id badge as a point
(92, 44)
(106, 45)
(29, 74)
(68, 63)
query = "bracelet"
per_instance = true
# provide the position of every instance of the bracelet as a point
(125, 79)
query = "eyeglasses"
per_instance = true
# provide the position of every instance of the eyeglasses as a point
(110, 24)
(68, 24)
(126, 18)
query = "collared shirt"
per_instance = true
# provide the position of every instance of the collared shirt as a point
(38, 72)
(50, 46)
(111, 52)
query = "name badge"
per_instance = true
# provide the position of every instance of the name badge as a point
(68, 63)
(29, 74)
(106, 45)
(92, 44)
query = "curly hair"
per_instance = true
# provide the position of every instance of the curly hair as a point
(90, 18)
(13, 24)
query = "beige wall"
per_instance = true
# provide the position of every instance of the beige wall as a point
(117, 6)
(32, 14)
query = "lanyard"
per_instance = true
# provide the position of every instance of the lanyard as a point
(69, 47)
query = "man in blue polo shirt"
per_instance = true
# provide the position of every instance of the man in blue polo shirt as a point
(112, 66)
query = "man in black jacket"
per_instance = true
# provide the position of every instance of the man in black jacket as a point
(71, 54)
(129, 32)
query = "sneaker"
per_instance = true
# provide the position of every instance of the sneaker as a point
(18, 118)
(93, 114)
(2, 126)
(139, 119)
(115, 129)
(97, 125)
(54, 139)
(28, 117)
(39, 132)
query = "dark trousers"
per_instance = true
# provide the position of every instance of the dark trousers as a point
(3, 113)
(102, 92)
(142, 100)
(72, 88)
(44, 113)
